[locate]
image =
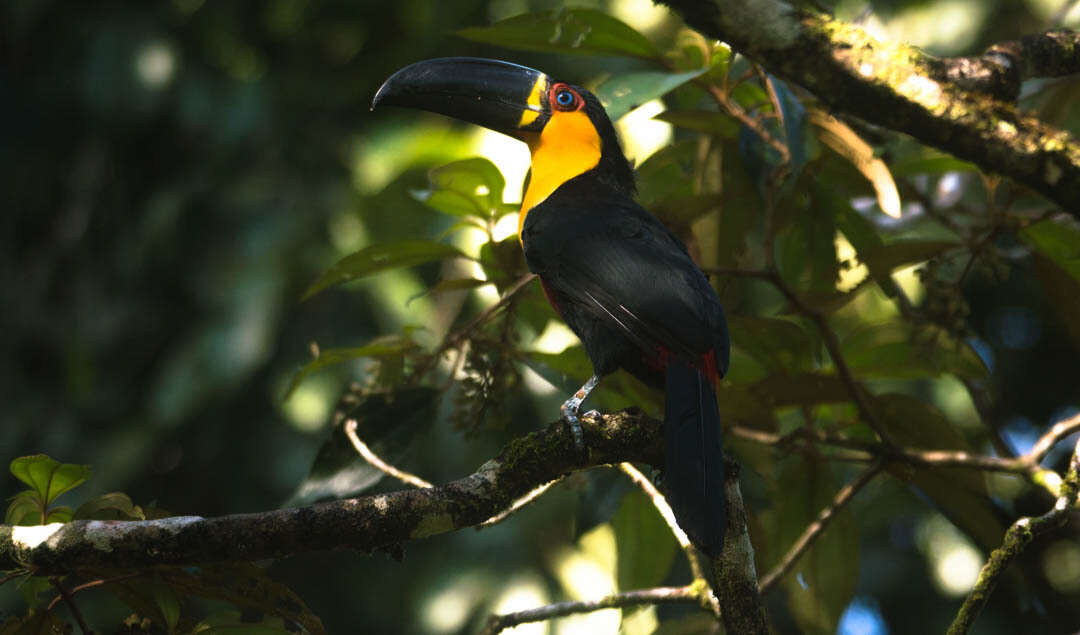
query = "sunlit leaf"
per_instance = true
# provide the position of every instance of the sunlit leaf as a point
(841, 138)
(567, 31)
(381, 257)
(382, 347)
(887, 258)
(626, 91)
(471, 187)
(47, 476)
(644, 543)
(931, 162)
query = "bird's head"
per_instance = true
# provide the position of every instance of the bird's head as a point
(565, 126)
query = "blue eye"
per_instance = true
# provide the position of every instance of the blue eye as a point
(564, 98)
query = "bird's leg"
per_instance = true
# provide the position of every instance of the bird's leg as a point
(571, 406)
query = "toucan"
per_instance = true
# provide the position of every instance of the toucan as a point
(622, 282)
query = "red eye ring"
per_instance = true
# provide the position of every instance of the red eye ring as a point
(562, 97)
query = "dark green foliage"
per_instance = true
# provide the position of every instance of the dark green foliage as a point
(158, 238)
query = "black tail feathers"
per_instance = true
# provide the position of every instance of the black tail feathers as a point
(693, 457)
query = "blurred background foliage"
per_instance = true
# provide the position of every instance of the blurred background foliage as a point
(178, 173)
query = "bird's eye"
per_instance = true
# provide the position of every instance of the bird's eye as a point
(564, 98)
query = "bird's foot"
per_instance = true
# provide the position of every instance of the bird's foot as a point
(571, 417)
(592, 416)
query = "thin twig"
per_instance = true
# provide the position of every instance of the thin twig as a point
(452, 340)
(94, 583)
(516, 505)
(14, 574)
(659, 595)
(816, 528)
(1017, 538)
(1059, 431)
(379, 464)
(661, 505)
(70, 601)
(832, 344)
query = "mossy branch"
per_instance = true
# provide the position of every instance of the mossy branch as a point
(964, 106)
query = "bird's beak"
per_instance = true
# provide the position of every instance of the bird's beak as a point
(505, 97)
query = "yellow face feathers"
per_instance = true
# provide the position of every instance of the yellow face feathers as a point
(567, 146)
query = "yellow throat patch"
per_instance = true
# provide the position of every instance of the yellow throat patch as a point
(567, 146)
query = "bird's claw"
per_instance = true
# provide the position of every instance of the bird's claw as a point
(592, 416)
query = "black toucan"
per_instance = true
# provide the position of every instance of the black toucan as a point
(623, 282)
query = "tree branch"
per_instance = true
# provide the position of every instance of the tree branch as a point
(366, 523)
(962, 106)
(1017, 538)
(660, 595)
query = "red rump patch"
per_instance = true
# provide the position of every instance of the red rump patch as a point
(661, 356)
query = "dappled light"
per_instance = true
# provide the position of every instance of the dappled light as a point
(280, 356)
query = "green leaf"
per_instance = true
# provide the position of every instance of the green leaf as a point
(381, 347)
(681, 211)
(960, 494)
(645, 546)
(61, 514)
(453, 284)
(707, 121)
(31, 587)
(930, 163)
(822, 582)
(806, 252)
(572, 31)
(1063, 291)
(338, 471)
(36, 623)
(111, 506)
(800, 389)
(1058, 241)
(167, 602)
(624, 92)
(25, 509)
(48, 477)
(668, 173)
(896, 349)
(378, 258)
(471, 187)
(247, 586)
(779, 345)
(234, 623)
(883, 260)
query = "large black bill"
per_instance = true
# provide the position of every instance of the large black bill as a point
(498, 95)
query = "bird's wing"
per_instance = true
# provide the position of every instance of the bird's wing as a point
(619, 263)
